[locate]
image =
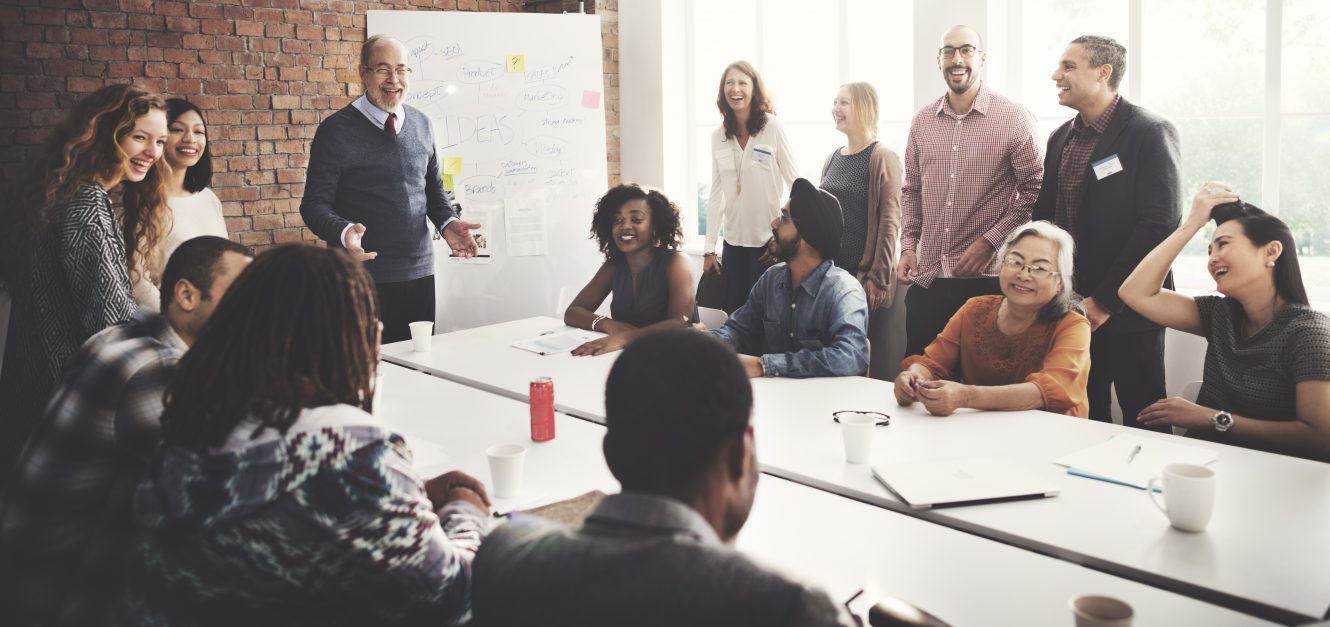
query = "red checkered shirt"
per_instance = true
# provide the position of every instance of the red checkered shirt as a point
(967, 177)
(1075, 158)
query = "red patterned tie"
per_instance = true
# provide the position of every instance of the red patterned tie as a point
(391, 124)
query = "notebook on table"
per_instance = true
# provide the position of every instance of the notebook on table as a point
(968, 481)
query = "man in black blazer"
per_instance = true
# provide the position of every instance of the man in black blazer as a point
(1112, 179)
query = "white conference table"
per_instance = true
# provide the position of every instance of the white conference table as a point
(836, 543)
(1265, 552)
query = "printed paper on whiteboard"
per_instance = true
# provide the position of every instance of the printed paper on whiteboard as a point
(524, 222)
(482, 214)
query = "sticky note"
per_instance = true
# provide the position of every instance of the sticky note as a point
(452, 165)
(516, 63)
(447, 181)
(590, 99)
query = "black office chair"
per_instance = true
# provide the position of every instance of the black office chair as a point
(893, 612)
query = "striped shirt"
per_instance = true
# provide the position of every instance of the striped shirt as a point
(1075, 158)
(966, 177)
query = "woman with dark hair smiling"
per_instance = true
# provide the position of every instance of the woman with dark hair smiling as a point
(752, 168)
(194, 209)
(276, 497)
(639, 233)
(1267, 368)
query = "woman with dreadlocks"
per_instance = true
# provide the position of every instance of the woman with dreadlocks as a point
(278, 498)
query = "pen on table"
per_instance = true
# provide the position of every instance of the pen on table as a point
(1134, 451)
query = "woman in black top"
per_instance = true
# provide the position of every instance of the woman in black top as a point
(639, 232)
(1267, 368)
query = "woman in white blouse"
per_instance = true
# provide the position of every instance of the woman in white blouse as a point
(195, 210)
(752, 168)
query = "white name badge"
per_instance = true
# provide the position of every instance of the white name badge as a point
(1106, 167)
(762, 154)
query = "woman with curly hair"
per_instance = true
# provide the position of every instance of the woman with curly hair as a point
(639, 233)
(66, 256)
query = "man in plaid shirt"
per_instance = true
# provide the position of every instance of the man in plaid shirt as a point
(1114, 183)
(65, 524)
(972, 173)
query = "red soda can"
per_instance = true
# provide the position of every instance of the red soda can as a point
(542, 409)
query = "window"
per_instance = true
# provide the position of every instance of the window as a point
(850, 40)
(1213, 80)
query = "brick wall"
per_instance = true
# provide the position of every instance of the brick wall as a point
(265, 72)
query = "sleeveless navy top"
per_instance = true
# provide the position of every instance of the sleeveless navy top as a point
(650, 302)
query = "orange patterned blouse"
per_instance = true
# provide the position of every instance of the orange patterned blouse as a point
(1053, 356)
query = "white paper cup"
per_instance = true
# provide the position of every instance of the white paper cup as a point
(506, 469)
(1100, 611)
(1189, 494)
(857, 430)
(422, 334)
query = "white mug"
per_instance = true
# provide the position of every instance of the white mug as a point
(1189, 491)
(1100, 611)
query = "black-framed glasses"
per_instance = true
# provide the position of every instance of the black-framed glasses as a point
(879, 419)
(1038, 271)
(966, 51)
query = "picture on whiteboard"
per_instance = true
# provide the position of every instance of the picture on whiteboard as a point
(524, 221)
(481, 214)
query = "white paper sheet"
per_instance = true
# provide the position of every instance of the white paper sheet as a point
(524, 223)
(560, 342)
(482, 214)
(1109, 459)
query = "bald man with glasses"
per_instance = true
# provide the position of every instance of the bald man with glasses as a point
(972, 174)
(373, 186)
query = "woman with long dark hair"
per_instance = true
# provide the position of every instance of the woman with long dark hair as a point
(192, 206)
(752, 168)
(638, 232)
(277, 498)
(1267, 369)
(66, 257)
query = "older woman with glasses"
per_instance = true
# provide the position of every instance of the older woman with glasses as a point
(1028, 348)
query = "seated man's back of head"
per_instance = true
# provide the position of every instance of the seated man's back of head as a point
(680, 443)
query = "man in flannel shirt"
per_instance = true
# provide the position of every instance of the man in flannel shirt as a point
(65, 523)
(972, 174)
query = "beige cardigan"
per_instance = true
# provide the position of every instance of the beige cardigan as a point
(884, 218)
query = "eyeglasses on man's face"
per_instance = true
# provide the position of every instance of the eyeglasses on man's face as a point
(386, 73)
(1037, 270)
(949, 52)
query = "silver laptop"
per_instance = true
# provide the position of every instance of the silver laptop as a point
(969, 481)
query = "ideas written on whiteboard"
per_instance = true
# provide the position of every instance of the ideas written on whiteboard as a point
(524, 221)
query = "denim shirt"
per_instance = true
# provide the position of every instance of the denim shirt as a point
(829, 308)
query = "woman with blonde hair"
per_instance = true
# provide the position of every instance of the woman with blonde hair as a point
(66, 256)
(865, 177)
(752, 168)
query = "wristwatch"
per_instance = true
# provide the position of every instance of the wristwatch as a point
(1222, 421)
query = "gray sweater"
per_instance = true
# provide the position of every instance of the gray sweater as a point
(360, 173)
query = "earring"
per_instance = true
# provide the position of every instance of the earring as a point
(1269, 264)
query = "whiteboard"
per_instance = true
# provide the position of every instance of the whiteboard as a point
(518, 97)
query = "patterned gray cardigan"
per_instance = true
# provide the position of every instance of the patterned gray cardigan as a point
(75, 283)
